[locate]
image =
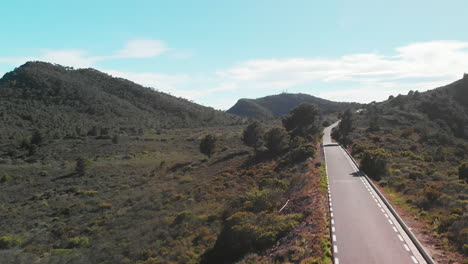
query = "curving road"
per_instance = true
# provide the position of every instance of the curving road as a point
(363, 229)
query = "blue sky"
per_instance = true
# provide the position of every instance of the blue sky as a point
(215, 52)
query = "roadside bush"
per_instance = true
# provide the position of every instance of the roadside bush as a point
(374, 163)
(302, 153)
(246, 232)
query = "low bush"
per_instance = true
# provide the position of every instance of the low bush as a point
(374, 163)
(7, 242)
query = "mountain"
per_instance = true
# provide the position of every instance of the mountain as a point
(282, 104)
(40, 95)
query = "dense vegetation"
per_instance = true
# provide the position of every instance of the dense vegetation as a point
(281, 104)
(95, 169)
(63, 102)
(416, 146)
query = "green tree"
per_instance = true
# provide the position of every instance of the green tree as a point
(303, 120)
(253, 135)
(82, 165)
(374, 163)
(374, 123)
(37, 138)
(463, 172)
(277, 140)
(346, 124)
(208, 145)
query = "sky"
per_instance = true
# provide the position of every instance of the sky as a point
(216, 52)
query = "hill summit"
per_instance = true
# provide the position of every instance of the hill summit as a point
(281, 104)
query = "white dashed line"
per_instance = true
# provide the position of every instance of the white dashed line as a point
(382, 210)
(333, 222)
(390, 221)
(331, 214)
(379, 205)
(400, 237)
(335, 249)
(406, 247)
(386, 215)
(394, 229)
(414, 259)
(337, 261)
(331, 209)
(333, 229)
(334, 238)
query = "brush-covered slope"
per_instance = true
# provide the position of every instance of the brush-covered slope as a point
(44, 96)
(421, 140)
(282, 104)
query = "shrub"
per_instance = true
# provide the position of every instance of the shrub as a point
(246, 232)
(115, 139)
(432, 194)
(7, 242)
(414, 175)
(463, 172)
(82, 165)
(37, 138)
(374, 163)
(208, 145)
(277, 140)
(302, 153)
(75, 242)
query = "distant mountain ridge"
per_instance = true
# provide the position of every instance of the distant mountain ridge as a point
(39, 95)
(281, 104)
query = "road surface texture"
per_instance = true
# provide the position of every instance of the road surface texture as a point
(363, 229)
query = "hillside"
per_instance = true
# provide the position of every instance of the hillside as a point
(282, 104)
(67, 102)
(155, 198)
(415, 146)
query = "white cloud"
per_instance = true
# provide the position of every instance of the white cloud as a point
(437, 60)
(137, 48)
(142, 48)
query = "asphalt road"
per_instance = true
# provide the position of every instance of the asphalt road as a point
(363, 229)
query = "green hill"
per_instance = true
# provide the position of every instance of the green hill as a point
(70, 102)
(282, 104)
